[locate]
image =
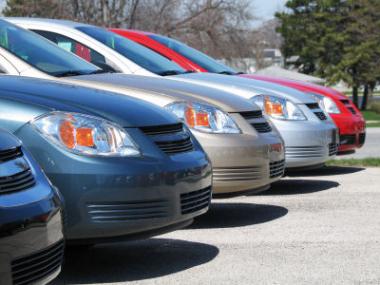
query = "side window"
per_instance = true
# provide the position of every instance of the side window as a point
(75, 47)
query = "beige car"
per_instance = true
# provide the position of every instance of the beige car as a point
(246, 151)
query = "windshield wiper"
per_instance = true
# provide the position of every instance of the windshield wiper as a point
(226, 72)
(170, 72)
(100, 71)
(68, 73)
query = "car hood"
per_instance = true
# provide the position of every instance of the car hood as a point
(163, 91)
(306, 87)
(8, 141)
(47, 95)
(246, 87)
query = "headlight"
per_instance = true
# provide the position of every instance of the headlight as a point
(326, 104)
(87, 135)
(279, 108)
(204, 118)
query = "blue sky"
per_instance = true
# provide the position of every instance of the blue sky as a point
(265, 9)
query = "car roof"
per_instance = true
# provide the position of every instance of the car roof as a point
(45, 21)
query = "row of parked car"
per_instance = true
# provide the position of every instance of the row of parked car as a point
(136, 132)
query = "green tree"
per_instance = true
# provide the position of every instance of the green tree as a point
(335, 39)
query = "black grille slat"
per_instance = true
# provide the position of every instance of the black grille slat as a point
(347, 139)
(352, 110)
(321, 116)
(171, 146)
(17, 182)
(195, 201)
(313, 106)
(29, 269)
(252, 115)
(162, 130)
(176, 147)
(333, 149)
(277, 168)
(345, 101)
(262, 127)
(6, 155)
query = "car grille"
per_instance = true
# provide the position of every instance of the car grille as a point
(162, 130)
(37, 266)
(130, 211)
(277, 168)
(304, 152)
(347, 139)
(313, 106)
(352, 110)
(17, 182)
(237, 174)
(348, 106)
(362, 138)
(321, 116)
(252, 115)
(262, 127)
(171, 139)
(6, 155)
(195, 201)
(174, 147)
(333, 149)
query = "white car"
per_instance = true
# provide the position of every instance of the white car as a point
(310, 136)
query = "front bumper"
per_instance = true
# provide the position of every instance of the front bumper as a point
(308, 143)
(351, 130)
(243, 162)
(31, 239)
(112, 198)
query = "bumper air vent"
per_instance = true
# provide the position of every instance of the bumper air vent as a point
(195, 201)
(30, 269)
(277, 168)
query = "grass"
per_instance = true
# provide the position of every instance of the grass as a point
(349, 93)
(365, 162)
(372, 118)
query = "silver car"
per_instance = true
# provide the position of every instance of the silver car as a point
(310, 136)
(246, 151)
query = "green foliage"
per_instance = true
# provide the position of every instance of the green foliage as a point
(334, 39)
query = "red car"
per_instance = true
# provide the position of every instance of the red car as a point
(346, 116)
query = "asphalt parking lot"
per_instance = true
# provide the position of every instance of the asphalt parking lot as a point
(314, 229)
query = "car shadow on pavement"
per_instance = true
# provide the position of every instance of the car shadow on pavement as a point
(229, 215)
(299, 186)
(133, 261)
(326, 171)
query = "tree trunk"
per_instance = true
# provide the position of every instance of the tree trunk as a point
(365, 98)
(355, 95)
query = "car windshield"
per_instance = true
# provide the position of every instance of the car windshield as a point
(137, 53)
(194, 55)
(41, 53)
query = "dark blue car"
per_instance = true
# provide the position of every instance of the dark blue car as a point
(126, 168)
(31, 240)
